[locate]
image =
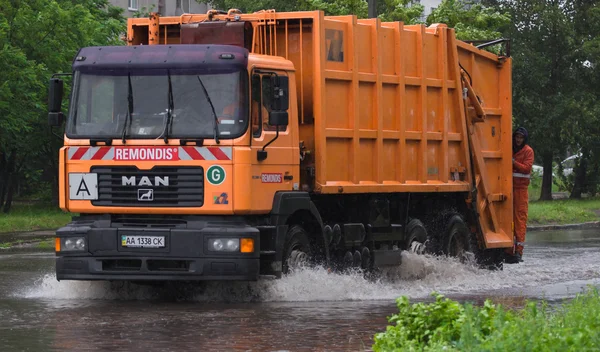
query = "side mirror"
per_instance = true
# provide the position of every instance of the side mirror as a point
(278, 118)
(280, 97)
(55, 119)
(55, 95)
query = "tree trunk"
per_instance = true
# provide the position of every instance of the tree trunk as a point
(11, 191)
(3, 175)
(5, 182)
(580, 176)
(547, 179)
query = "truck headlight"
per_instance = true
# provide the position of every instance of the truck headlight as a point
(71, 244)
(224, 244)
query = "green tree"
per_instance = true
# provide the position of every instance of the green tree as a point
(400, 10)
(584, 131)
(548, 98)
(471, 20)
(37, 39)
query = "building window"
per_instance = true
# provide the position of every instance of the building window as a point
(133, 5)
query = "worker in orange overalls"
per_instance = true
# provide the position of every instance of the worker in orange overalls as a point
(522, 163)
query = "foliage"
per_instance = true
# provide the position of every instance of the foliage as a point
(446, 325)
(582, 130)
(37, 39)
(249, 6)
(432, 324)
(554, 76)
(472, 20)
(336, 8)
(400, 10)
(390, 10)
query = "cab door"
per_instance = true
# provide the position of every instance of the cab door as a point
(273, 157)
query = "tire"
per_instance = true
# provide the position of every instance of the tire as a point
(436, 226)
(297, 250)
(415, 232)
(457, 240)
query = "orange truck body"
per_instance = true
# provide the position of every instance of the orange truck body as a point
(378, 112)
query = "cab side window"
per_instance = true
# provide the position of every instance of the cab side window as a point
(261, 91)
(267, 93)
(256, 106)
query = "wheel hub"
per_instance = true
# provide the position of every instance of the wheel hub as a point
(297, 259)
(416, 247)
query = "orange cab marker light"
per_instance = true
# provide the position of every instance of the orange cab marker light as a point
(247, 245)
(57, 244)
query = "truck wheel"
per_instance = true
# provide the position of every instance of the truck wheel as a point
(297, 251)
(416, 235)
(457, 241)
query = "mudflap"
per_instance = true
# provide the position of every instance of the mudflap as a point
(386, 258)
(271, 250)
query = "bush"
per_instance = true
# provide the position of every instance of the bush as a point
(446, 325)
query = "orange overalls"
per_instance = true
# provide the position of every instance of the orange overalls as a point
(523, 161)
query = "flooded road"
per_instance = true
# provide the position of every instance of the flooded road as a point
(308, 311)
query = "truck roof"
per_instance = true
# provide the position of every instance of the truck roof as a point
(175, 56)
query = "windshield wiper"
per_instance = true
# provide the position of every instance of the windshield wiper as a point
(130, 108)
(216, 121)
(169, 120)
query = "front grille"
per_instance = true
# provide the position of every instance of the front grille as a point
(121, 265)
(185, 186)
(168, 265)
(147, 220)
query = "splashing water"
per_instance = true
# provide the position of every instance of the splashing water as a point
(417, 277)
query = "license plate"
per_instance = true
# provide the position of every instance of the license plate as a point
(143, 241)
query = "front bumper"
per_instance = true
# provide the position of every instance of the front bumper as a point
(185, 256)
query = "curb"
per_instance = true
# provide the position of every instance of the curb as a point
(43, 232)
(585, 225)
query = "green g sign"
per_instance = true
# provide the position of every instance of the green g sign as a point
(215, 175)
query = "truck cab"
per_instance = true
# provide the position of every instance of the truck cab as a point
(169, 151)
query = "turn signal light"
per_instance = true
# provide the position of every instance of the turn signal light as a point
(247, 245)
(57, 244)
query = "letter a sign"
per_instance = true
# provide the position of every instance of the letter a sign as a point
(83, 186)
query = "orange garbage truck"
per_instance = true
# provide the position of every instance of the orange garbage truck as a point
(233, 146)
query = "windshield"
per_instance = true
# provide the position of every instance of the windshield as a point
(101, 107)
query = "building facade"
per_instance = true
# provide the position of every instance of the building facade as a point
(132, 8)
(429, 5)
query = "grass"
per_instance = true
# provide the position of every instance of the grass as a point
(447, 325)
(30, 217)
(559, 211)
(564, 211)
(46, 244)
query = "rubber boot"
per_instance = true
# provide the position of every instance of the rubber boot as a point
(512, 258)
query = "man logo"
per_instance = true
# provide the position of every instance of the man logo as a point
(145, 195)
(144, 181)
